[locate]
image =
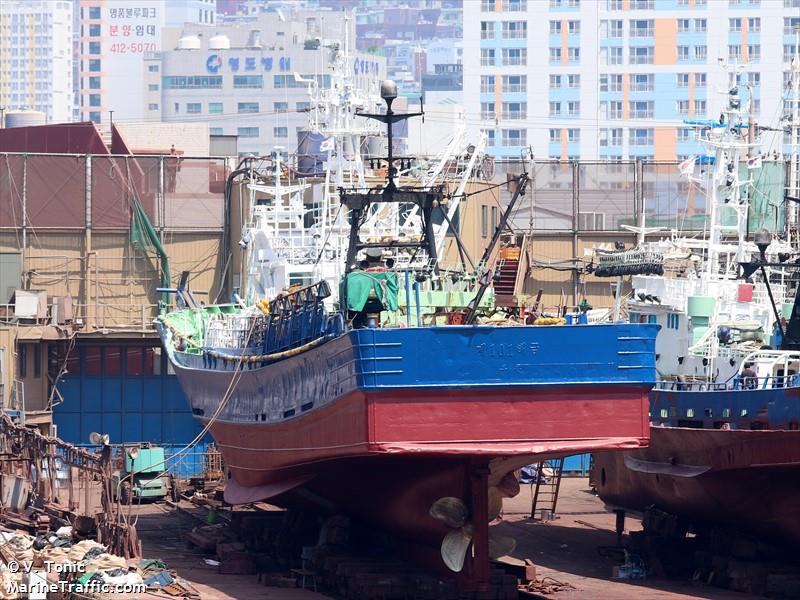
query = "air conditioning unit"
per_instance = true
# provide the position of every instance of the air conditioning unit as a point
(591, 221)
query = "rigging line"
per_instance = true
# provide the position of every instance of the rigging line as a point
(327, 237)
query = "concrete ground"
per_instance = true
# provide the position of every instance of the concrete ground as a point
(565, 549)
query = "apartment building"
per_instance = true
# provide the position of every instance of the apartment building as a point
(36, 57)
(616, 79)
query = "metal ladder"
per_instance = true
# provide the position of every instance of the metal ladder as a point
(544, 491)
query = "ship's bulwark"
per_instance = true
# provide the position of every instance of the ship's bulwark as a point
(381, 423)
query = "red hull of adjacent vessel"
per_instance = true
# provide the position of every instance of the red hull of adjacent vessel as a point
(743, 478)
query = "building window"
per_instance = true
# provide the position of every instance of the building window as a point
(515, 56)
(682, 80)
(484, 221)
(152, 87)
(753, 53)
(487, 5)
(94, 99)
(641, 137)
(641, 82)
(642, 4)
(515, 110)
(280, 132)
(615, 29)
(755, 106)
(684, 134)
(247, 132)
(248, 81)
(682, 107)
(515, 83)
(278, 107)
(555, 109)
(515, 5)
(735, 52)
(641, 55)
(152, 107)
(641, 109)
(683, 25)
(94, 12)
(513, 138)
(574, 109)
(699, 80)
(700, 25)
(94, 65)
(642, 28)
(94, 30)
(791, 3)
(94, 83)
(790, 25)
(699, 107)
(22, 360)
(754, 24)
(700, 52)
(555, 27)
(152, 68)
(555, 81)
(754, 79)
(573, 27)
(215, 131)
(487, 57)
(573, 135)
(487, 30)
(616, 137)
(194, 108)
(487, 84)
(573, 81)
(487, 110)
(615, 109)
(555, 135)
(614, 5)
(555, 55)
(683, 53)
(734, 25)
(574, 55)
(514, 30)
(215, 108)
(247, 107)
(489, 136)
(94, 47)
(94, 117)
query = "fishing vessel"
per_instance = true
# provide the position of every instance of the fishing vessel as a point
(408, 418)
(725, 439)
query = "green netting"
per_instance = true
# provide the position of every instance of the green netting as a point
(766, 198)
(144, 237)
(361, 283)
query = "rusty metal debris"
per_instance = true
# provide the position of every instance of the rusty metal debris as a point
(546, 586)
(47, 482)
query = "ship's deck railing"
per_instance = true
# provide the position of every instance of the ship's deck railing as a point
(736, 383)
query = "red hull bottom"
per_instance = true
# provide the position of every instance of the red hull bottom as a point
(747, 479)
(386, 457)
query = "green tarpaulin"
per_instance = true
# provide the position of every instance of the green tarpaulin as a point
(145, 238)
(359, 284)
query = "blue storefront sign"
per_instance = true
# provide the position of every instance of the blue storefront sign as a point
(215, 63)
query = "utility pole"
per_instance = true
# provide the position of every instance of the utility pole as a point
(2, 117)
(794, 157)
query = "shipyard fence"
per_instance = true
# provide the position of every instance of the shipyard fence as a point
(601, 196)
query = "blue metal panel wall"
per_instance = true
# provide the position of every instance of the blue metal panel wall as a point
(129, 403)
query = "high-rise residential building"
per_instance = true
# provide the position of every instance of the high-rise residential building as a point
(251, 78)
(114, 37)
(36, 57)
(615, 79)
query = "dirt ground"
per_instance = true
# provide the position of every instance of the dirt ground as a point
(565, 549)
